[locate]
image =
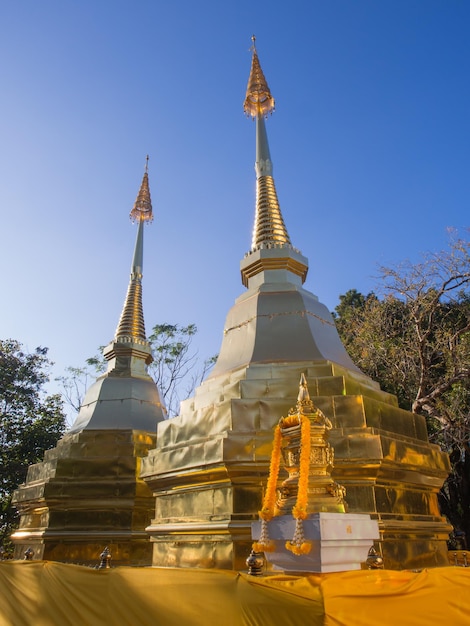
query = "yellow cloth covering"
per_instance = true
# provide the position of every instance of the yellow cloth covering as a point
(41, 593)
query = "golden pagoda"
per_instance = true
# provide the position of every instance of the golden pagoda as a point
(209, 469)
(87, 493)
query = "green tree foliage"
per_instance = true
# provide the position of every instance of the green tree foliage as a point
(30, 421)
(415, 341)
(176, 368)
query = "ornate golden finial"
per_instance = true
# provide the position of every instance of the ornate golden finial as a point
(374, 560)
(142, 209)
(28, 555)
(258, 99)
(105, 558)
(304, 403)
(255, 563)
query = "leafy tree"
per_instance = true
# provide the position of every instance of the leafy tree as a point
(30, 422)
(415, 341)
(376, 333)
(175, 368)
(75, 382)
(175, 364)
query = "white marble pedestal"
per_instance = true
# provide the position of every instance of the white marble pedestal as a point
(340, 541)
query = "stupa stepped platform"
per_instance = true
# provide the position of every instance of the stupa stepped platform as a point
(242, 402)
(73, 457)
(87, 493)
(262, 381)
(353, 381)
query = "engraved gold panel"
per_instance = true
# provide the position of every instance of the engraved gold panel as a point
(348, 412)
(330, 386)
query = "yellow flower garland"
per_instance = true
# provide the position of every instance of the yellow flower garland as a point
(299, 545)
(269, 502)
(299, 510)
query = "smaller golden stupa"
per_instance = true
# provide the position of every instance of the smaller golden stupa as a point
(87, 492)
(304, 433)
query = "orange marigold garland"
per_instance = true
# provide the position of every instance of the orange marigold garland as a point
(269, 502)
(299, 545)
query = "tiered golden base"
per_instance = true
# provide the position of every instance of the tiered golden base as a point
(210, 465)
(85, 495)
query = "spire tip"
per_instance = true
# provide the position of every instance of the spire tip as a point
(142, 209)
(258, 99)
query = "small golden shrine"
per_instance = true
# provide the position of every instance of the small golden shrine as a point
(311, 497)
(308, 459)
(301, 440)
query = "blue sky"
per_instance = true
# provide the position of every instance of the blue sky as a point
(370, 143)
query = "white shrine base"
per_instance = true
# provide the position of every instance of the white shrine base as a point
(340, 541)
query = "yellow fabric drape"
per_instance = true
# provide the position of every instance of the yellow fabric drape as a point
(433, 596)
(41, 593)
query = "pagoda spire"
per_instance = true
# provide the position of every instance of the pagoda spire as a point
(269, 225)
(126, 396)
(131, 325)
(269, 229)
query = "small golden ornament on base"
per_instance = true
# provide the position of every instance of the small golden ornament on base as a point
(255, 563)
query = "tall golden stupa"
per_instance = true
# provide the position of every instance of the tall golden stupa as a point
(87, 493)
(210, 464)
